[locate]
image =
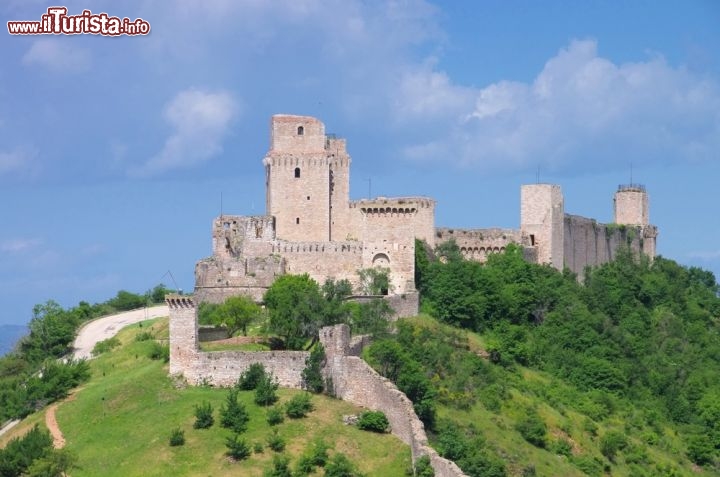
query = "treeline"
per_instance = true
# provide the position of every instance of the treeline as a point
(32, 375)
(637, 331)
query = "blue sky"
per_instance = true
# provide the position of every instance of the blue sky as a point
(114, 151)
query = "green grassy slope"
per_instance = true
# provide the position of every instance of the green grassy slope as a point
(119, 424)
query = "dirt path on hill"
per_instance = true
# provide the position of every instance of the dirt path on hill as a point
(108, 326)
(52, 425)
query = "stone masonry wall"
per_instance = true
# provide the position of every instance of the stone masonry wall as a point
(589, 243)
(356, 382)
(477, 244)
(542, 211)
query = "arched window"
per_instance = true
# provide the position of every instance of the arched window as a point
(301, 130)
(297, 173)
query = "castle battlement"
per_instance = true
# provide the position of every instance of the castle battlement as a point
(311, 225)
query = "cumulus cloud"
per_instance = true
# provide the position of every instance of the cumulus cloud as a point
(581, 112)
(58, 55)
(201, 121)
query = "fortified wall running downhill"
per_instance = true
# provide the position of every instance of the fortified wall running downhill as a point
(313, 227)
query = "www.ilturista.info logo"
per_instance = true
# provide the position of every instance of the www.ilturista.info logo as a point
(57, 22)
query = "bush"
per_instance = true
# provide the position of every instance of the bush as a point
(299, 406)
(204, 416)
(316, 456)
(611, 443)
(275, 416)
(251, 378)
(562, 447)
(312, 378)
(20, 453)
(105, 345)
(374, 421)
(275, 441)
(280, 468)
(533, 429)
(266, 391)
(177, 437)
(340, 466)
(159, 352)
(144, 336)
(258, 448)
(233, 414)
(238, 449)
(422, 468)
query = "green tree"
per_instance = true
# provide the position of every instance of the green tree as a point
(56, 463)
(296, 309)
(340, 466)
(237, 447)
(375, 281)
(236, 314)
(266, 391)
(203, 416)
(312, 378)
(233, 414)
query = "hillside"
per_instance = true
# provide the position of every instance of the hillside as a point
(120, 422)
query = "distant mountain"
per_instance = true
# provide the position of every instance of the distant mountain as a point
(9, 334)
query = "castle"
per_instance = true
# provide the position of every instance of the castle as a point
(311, 226)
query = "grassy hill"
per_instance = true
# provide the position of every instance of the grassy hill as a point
(119, 423)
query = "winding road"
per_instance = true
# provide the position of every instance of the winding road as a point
(91, 333)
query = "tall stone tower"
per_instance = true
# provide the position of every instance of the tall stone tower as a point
(542, 214)
(307, 180)
(631, 205)
(632, 208)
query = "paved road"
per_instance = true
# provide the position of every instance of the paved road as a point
(102, 329)
(108, 326)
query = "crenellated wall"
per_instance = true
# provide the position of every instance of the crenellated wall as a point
(478, 244)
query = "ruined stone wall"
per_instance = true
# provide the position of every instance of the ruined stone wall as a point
(235, 235)
(542, 213)
(589, 243)
(478, 244)
(404, 304)
(183, 332)
(223, 368)
(356, 382)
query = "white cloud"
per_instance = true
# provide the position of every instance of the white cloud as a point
(19, 245)
(200, 120)
(582, 111)
(20, 160)
(58, 55)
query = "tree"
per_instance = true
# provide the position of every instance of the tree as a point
(296, 309)
(236, 313)
(233, 414)
(375, 281)
(312, 378)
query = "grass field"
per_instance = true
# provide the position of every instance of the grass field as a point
(119, 423)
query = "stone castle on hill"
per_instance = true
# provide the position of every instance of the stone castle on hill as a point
(311, 226)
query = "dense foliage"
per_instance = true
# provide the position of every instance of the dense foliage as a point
(31, 376)
(637, 331)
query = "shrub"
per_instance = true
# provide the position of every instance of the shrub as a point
(204, 416)
(177, 437)
(562, 447)
(422, 468)
(374, 421)
(280, 468)
(533, 429)
(299, 406)
(144, 336)
(611, 443)
(258, 448)
(340, 466)
(251, 378)
(316, 456)
(275, 416)
(238, 449)
(312, 378)
(266, 391)
(233, 414)
(105, 345)
(160, 352)
(20, 453)
(275, 441)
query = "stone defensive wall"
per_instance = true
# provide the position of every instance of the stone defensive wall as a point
(353, 379)
(587, 242)
(477, 244)
(395, 219)
(356, 382)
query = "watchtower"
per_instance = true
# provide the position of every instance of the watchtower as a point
(542, 214)
(631, 205)
(307, 176)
